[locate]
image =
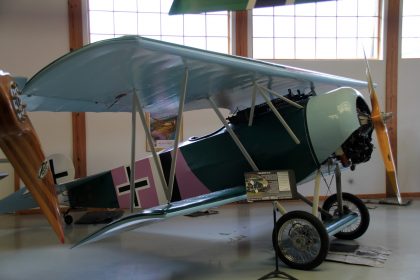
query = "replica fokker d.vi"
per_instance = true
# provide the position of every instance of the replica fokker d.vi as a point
(283, 118)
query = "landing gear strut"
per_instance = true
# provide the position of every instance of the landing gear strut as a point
(353, 204)
(301, 240)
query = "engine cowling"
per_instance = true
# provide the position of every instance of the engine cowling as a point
(340, 121)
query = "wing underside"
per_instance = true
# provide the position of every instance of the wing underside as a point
(103, 76)
(163, 212)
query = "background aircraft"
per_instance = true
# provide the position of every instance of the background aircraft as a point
(283, 118)
(201, 6)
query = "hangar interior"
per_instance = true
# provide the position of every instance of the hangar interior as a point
(235, 243)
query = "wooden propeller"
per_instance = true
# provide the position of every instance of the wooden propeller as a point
(21, 145)
(382, 136)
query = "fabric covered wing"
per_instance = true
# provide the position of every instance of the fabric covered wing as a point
(163, 212)
(101, 77)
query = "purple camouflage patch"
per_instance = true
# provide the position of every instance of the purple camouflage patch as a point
(189, 185)
(145, 189)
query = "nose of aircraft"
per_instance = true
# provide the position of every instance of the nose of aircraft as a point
(331, 119)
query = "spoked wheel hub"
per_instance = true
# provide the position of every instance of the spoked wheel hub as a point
(300, 240)
(303, 236)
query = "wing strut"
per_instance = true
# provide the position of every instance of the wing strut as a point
(152, 147)
(254, 95)
(177, 133)
(233, 135)
(279, 117)
(133, 152)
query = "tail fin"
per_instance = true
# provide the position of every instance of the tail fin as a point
(21, 145)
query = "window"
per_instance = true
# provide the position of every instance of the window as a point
(149, 18)
(410, 45)
(323, 30)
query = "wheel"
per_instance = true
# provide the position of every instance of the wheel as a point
(68, 219)
(300, 240)
(351, 203)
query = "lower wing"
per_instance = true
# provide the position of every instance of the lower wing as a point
(22, 200)
(163, 212)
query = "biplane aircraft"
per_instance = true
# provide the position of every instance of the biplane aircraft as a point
(283, 118)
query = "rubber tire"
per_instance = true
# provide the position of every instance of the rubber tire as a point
(323, 235)
(364, 215)
(68, 219)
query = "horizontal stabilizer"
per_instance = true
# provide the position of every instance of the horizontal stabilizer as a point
(162, 212)
(17, 201)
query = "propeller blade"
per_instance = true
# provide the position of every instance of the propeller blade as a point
(382, 136)
(20, 144)
(385, 147)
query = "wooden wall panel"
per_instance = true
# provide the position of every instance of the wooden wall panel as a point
(241, 33)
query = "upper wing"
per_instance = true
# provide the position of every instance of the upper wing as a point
(102, 77)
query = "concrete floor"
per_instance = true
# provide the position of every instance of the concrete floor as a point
(234, 244)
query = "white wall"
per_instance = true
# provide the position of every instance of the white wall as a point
(113, 132)
(409, 125)
(33, 33)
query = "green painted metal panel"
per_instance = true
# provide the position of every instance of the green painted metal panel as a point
(95, 191)
(194, 6)
(218, 163)
(201, 6)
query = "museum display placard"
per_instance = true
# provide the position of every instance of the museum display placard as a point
(270, 185)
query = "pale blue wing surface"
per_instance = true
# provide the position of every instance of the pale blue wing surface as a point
(102, 76)
(163, 212)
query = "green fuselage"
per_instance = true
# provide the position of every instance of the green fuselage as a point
(326, 125)
(219, 164)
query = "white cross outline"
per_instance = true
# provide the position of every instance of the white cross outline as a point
(127, 192)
